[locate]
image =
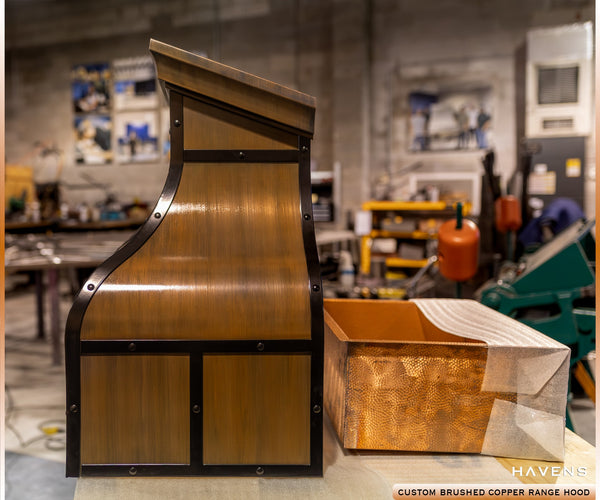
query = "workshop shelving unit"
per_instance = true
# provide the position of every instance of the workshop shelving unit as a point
(404, 221)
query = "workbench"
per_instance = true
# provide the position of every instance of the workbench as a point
(46, 256)
(350, 474)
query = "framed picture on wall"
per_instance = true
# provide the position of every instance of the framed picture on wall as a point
(90, 88)
(454, 119)
(137, 136)
(93, 135)
(135, 83)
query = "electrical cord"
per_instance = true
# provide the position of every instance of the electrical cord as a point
(53, 431)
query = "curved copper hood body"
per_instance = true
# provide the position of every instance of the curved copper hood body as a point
(197, 349)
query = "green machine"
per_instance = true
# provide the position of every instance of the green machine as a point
(553, 291)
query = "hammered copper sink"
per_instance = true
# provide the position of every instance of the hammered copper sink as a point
(396, 378)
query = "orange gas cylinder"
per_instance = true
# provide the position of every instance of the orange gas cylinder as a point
(508, 213)
(458, 249)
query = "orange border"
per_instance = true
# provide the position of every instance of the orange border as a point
(2, 277)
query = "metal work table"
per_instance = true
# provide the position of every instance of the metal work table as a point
(46, 256)
(57, 226)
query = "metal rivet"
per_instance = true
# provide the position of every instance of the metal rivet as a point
(157, 215)
(131, 347)
(132, 471)
(307, 217)
(73, 408)
(316, 288)
(177, 123)
(260, 471)
(242, 155)
(196, 408)
(317, 409)
(90, 287)
(304, 149)
(260, 346)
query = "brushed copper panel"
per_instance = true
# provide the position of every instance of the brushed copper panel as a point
(135, 409)
(334, 381)
(256, 409)
(227, 262)
(208, 127)
(384, 321)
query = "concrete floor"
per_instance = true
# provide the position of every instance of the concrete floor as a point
(35, 407)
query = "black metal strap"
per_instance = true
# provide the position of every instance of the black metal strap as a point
(196, 346)
(201, 470)
(240, 156)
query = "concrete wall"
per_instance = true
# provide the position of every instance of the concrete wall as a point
(360, 58)
(429, 45)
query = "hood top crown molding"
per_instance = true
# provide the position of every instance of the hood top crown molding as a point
(248, 92)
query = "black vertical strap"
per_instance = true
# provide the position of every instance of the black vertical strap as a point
(176, 128)
(196, 412)
(73, 381)
(316, 307)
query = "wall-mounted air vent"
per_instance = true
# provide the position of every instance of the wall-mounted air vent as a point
(557, 123)
(558, 85)
(559, 81)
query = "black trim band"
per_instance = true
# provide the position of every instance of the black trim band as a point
(238, 156)
(195, 346)
(203, 470)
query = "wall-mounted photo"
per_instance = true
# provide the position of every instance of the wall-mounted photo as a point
(90, 88)
(457, 119)
(135, 83)
(93, 139)
(137, 136)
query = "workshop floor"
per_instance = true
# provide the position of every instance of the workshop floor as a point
(35, 408)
